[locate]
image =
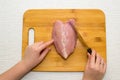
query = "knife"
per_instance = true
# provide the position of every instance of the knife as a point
(83, 42)
(89, 50)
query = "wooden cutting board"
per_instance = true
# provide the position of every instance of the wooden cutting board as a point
(89, 23)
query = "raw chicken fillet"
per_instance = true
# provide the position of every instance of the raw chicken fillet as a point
(64, 37)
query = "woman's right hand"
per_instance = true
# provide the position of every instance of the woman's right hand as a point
(95, 68)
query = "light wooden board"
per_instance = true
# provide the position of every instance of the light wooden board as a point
(90, 24)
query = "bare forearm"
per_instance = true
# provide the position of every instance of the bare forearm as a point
(16, 72)
(34, 54)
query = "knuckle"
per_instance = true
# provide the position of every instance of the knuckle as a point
(91, 67)
(35, 49)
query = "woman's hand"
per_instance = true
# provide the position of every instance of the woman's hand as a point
(95, 68)
(35, 53)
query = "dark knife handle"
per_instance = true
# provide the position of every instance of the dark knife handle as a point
(89, 50)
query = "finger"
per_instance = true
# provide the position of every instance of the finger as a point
(92, 59)
(88, 57)
(104, 67)
(98, 59)
(88, 54)
(38, 43)
(44, 53)
(43, 46)
(101, 65)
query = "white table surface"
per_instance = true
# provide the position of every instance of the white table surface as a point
(11, 17)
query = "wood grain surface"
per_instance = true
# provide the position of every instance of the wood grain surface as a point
(89, 23)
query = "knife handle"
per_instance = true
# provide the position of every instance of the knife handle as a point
(89, 50)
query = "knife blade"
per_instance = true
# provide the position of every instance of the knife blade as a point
(83, 42)
(81, 39)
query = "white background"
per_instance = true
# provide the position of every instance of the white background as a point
(11, 17)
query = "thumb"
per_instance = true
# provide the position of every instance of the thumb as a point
(88, 54)
(44, 53)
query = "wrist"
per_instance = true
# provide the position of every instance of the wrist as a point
(86, 78)
(25, 66)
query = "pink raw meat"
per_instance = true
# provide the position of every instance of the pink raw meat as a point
(64, 37)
